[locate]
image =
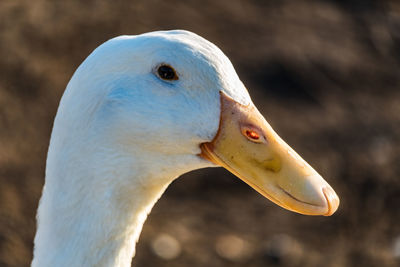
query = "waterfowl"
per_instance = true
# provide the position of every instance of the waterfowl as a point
(137, 113)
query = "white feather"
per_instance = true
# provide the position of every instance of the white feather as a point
(120, 137)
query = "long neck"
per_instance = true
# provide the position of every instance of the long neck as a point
(100, 184)
(92, 208)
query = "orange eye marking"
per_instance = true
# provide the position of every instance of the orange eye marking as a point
(253, 135)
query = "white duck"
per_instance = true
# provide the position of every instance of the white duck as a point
(139, 112)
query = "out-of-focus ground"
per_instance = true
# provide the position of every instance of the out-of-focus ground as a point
(326, 76)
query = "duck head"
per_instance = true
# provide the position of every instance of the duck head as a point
(174, 101)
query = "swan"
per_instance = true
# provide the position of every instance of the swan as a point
(139, 112)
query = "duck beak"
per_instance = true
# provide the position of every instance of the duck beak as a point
(248, 147)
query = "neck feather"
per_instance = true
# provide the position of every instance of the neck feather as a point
(93, 206)
(92, 226)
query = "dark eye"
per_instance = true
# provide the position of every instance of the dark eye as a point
(167, 73)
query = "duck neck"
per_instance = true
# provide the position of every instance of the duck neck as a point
(90, 213)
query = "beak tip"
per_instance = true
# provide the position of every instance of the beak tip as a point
(332, 200)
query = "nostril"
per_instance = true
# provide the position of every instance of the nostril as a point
(332, 200)
(253, 134)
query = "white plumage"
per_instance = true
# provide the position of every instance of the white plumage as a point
(121, 135)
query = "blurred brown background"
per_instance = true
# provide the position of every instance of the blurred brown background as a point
(325, 74)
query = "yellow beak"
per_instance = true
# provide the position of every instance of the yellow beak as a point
(247, 146)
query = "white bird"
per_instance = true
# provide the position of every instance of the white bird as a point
(139, 112)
